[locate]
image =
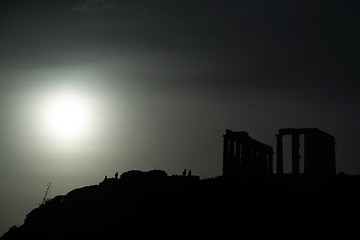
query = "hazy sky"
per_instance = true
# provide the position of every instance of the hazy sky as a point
(163, 80)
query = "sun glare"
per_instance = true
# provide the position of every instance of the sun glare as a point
(67, 116)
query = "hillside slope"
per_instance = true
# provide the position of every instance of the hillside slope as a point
(152, 203)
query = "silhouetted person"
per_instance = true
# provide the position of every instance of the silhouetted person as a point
(116, 175)
(189, 173)
(105, 179)
(184, 172)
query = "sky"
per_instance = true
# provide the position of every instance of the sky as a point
(158, 82)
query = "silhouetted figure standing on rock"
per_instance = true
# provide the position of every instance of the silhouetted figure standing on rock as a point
(116, 175)
(184, 172)
(189, 173)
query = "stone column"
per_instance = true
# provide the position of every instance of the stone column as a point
(270, 163)
(232, 152)
(237, 156)
(226, 147)
(295, 148)
(225, 155)
(279, 154)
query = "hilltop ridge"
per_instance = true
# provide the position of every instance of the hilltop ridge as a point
(153, 203)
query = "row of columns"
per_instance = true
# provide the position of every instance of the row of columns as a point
(244, 155)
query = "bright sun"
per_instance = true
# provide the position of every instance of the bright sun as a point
(67, 116)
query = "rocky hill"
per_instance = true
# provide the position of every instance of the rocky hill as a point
(154, 204)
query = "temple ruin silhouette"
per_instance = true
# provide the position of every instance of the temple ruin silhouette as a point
(319, 151)
(245, 156)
